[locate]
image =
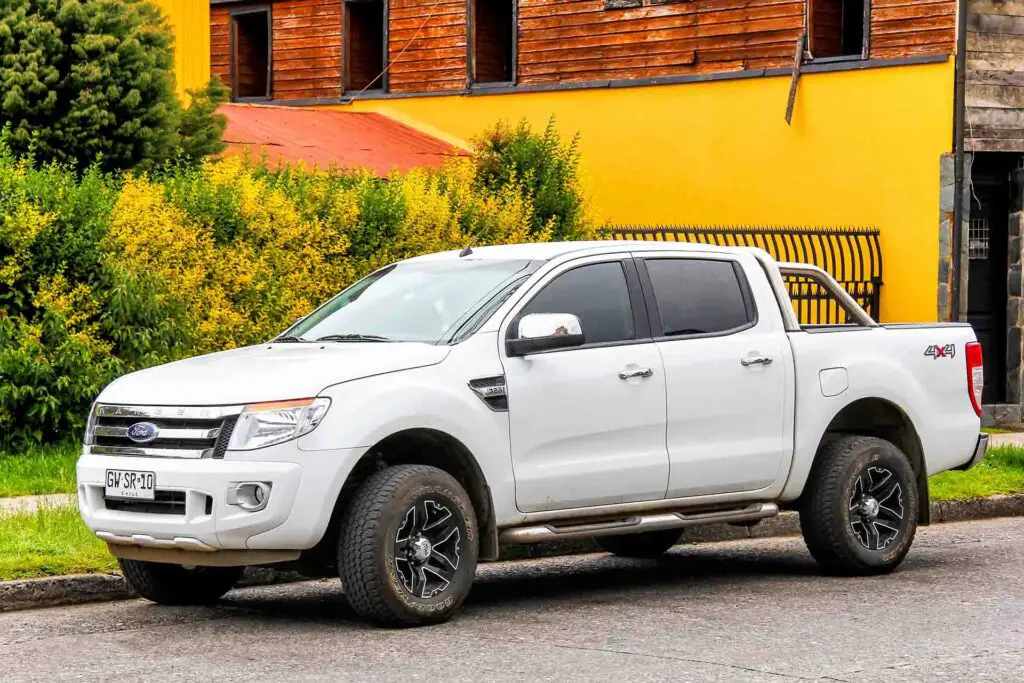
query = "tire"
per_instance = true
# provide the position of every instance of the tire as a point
(643, 545)
(173, 584)
(408, 547)
(859, 512)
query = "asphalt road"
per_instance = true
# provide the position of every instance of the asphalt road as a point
(740, 611)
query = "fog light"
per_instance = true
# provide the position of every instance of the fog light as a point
(251, 496)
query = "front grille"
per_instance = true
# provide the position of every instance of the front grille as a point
(164, 503)
(193, 432)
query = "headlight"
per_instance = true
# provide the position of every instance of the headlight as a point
(89, 424)
(266, 424)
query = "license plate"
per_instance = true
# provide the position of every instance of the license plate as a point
(130, 484)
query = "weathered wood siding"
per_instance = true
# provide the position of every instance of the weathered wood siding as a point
(995, 76)
(427, 45)
(220, 43)
(574, 40)
(909, 28)
(306, 47)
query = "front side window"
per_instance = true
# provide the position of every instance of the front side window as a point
(417, 301)
(597, 294)
(698, 296)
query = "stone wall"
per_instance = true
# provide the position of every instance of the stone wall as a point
(947, 190)
(1015, 297)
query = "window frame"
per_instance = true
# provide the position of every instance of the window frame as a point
(471, 82)
(385, 79)
(233, 14)
(651, 299)
(865, 47)
(638, 307)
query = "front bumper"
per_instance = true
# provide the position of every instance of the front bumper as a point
(979, 453)
(304, 486)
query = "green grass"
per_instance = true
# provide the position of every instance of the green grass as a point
(996, 430)
(50, 542)
(42, 469)
(1002, 471)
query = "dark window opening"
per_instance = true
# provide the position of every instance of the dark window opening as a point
(698, 296)
(364, 45)
(836, 28)
(597, 294)
(251, 54)
(493, 35)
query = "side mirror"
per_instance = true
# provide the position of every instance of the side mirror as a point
(545, 332)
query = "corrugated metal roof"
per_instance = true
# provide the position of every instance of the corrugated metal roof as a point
(326, 138)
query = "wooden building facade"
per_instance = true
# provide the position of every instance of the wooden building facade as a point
(323, 49)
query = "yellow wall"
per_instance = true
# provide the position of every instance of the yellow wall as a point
(863, 150)
(190, 20)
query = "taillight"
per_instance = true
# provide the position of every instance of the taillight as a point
(975, 375)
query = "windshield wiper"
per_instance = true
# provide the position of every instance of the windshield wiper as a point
(354, 337)
(287, 338)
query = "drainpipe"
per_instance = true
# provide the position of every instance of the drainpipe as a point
(959, 129)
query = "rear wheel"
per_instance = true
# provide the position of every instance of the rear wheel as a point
(173, 584)
(408, 547)
(859, 514)
(646, 544)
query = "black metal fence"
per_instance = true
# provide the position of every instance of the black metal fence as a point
(853, 256)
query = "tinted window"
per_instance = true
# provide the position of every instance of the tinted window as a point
(597, 295)
(697, 297)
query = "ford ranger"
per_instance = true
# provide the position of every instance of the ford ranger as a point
(445, 406)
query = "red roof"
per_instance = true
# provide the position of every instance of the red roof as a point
(326, 138)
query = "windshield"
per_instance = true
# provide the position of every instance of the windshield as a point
(422, 301)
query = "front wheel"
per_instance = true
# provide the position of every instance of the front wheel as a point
(172, 584)
(408, 547)
(859, 513)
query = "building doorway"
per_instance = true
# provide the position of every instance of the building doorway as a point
(987, 242)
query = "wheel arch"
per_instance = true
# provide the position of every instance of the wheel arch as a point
(883, 419)
(436, 448)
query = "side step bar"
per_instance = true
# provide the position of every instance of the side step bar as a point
(637, 523)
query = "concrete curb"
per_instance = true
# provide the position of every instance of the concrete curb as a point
(82, 588)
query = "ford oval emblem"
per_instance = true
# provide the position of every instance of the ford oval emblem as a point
(143, 432)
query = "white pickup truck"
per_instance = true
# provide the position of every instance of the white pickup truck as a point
(446, 405)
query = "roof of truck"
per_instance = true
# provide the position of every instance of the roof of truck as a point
(545, 251)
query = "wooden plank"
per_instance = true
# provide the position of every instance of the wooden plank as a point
(993, 61)
(1005, 7)
(995, 23)
(995, 96)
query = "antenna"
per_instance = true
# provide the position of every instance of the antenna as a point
(467, 251)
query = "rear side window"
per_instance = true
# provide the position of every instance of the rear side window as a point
(597, 294)
(699, 296)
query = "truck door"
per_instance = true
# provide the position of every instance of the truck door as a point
(728, 373)
(588, 422)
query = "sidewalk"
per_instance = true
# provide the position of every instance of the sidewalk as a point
(1008, 439)
(24, 504)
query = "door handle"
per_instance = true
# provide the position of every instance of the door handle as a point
(756, 360)
(638, 373)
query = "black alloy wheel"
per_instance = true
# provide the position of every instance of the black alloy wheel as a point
(427, 548)
(858, 512)
(876, 508)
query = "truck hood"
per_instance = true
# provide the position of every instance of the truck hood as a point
(269, 372)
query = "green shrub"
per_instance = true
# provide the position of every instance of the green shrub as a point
(544, 167)
(82, 80)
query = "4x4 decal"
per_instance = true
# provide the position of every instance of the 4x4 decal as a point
(935, 351)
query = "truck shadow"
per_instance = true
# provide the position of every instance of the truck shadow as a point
(682, 573)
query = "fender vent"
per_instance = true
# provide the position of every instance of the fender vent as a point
(491, 391)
